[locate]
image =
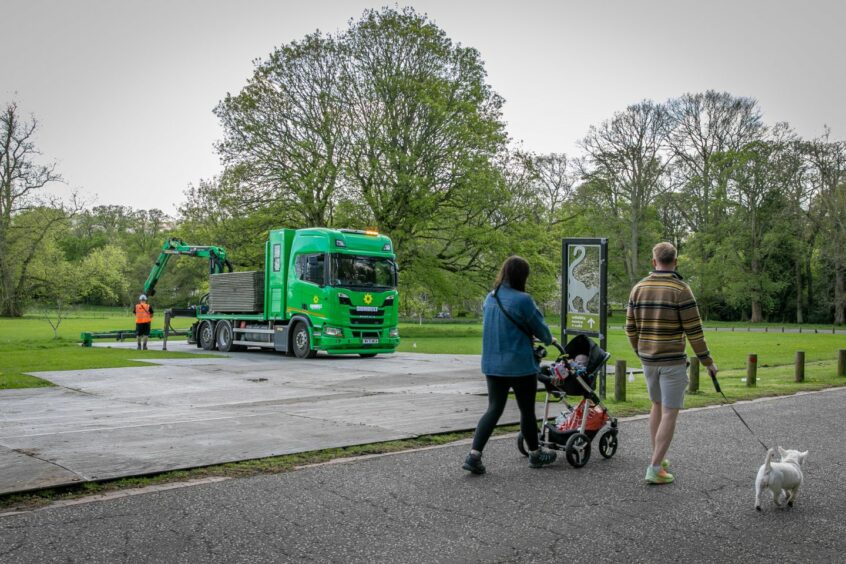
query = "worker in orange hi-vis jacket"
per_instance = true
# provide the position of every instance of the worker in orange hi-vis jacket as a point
(143, 318)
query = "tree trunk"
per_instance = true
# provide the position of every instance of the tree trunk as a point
(809, 284)
(757, 316)
(800, 317)
(635, 236)
(839, 296)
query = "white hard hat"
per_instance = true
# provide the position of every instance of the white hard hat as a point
(143, 297)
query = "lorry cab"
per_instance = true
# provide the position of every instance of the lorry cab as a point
(332, 290)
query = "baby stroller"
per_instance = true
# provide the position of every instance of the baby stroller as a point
(575, 428)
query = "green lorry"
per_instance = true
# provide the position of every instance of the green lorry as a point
(332, 290)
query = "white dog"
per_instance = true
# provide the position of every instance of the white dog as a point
(782, 478)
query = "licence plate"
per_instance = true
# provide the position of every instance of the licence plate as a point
(370, 341)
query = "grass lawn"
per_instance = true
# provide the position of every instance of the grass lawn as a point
(730, 350)
(776, 355)
(28, 345)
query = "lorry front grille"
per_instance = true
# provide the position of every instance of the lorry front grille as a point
(367, 318)
(365, 334)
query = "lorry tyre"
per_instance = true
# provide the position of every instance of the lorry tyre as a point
(205, 335)
(367, 355)
(302, 342)
(225, 336)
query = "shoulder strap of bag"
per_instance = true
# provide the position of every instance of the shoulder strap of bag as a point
(519, 326)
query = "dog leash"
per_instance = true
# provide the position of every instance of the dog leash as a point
(745, 424)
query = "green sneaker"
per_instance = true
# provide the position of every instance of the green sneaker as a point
(658, 476)
(665, 464)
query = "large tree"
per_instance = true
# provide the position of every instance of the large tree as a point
(625, 162)
(757, 179)
(22, 180)
(286, 130)
(424, 122)
(827, 160)
(704, 125)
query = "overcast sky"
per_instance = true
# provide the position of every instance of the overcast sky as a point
(124, 91)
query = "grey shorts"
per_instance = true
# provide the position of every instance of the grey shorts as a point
(666, 384)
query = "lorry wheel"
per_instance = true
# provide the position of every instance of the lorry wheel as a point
(206, 335)
(224, 337)
(302, 342)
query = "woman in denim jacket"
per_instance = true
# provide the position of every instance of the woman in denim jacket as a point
(508, 360)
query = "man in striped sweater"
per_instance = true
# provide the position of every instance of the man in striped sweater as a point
(661, 312)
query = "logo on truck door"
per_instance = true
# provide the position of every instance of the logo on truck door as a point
(368, 299)
(315, 299)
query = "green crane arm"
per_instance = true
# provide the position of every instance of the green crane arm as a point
(174, 246)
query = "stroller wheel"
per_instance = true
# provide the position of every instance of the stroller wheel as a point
(521, 445)
(578, 450)
(608, 444)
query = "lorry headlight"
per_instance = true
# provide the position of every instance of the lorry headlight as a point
(389, 301)
(333, 331)
(344, 299)
(394, 332)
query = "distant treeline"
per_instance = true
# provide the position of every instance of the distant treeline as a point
(389, 124)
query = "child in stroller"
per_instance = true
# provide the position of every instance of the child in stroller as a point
(574, 373)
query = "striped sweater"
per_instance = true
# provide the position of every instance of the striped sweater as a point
(661, 312)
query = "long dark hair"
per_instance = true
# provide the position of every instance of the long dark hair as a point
(514, 272)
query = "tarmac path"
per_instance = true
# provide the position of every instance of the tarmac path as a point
(421, 507)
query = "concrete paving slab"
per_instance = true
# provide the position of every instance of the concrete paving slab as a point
(178, 413)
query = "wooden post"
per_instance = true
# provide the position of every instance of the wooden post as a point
(800, 366)
(841, 362)
(693, 385)
(752, 370)
(620, 381)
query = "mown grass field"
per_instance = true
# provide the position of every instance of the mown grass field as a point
(28, 345)
(776, 356)
(729, 349)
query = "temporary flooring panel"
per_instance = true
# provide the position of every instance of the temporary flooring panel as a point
(181, 413)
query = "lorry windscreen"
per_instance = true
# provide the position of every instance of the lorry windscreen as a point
(356, 271)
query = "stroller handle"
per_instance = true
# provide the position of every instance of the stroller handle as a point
(554, 343)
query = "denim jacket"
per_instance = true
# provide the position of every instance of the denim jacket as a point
(506, 350)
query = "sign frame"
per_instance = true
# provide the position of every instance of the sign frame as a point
(601, 332)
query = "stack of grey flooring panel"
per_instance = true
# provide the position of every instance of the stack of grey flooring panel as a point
(237, 292)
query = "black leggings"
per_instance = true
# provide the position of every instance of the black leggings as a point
(525, 390)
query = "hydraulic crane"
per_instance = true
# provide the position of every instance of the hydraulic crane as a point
(173, 246)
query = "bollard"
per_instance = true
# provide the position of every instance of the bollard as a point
(841, 362)
(620, 381)
(800, 366)
(752, 371)
(693, 384)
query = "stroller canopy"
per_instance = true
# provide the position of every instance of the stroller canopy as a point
(581, 344)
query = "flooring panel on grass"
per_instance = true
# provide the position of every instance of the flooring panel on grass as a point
(420, 414)
(118, 452)
(21, 472)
